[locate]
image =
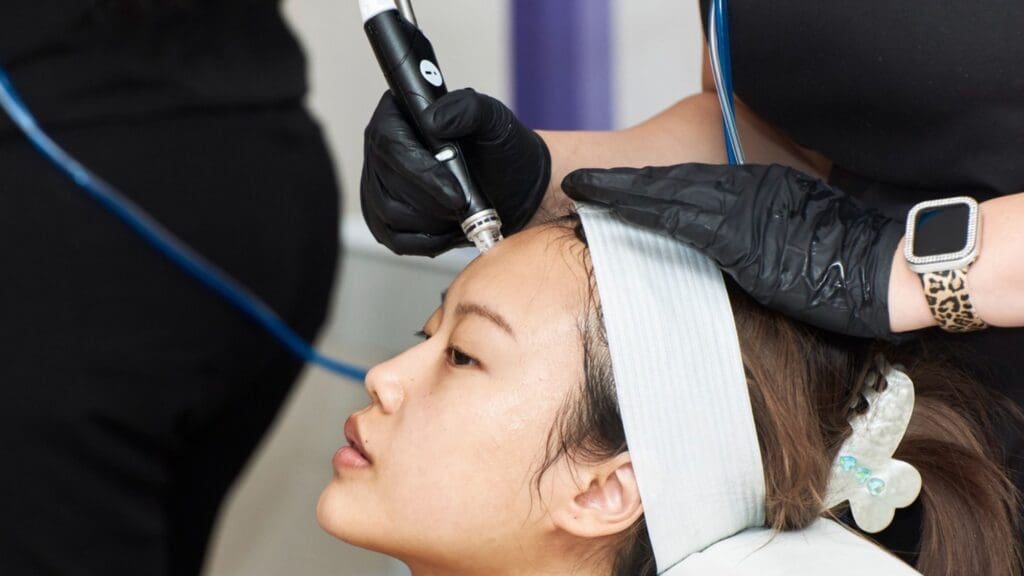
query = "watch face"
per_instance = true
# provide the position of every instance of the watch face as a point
(941, 230)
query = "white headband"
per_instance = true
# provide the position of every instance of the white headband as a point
(686, 411)
(681, 387)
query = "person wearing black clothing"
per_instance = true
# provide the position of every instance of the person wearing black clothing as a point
(130, 395)
(887, 104)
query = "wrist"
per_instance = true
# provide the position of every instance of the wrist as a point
(996, 277)
(908, 308)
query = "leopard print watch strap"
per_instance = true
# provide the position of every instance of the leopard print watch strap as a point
(950, 301)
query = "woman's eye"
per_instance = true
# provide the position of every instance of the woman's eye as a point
(421, 334)
(457, 358)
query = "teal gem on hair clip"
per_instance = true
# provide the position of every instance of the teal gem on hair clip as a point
(874, 485)
(873, 482)
(847, 462)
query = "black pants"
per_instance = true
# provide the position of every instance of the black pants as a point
(130, 396)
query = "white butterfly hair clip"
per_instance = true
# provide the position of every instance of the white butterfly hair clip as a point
(864, 471)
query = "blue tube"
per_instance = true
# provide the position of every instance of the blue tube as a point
(721, 65)
(164, 241)
(724, 46)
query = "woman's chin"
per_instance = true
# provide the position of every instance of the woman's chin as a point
(333, 514)
(341, 516)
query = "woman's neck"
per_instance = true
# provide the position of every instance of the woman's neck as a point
(565, 566)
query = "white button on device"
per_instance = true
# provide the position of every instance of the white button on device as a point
(431, 73)
(446, 154)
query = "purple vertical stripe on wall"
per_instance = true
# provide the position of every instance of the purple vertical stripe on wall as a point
(562, 63)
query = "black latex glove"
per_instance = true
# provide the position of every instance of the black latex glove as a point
(413, 205)
(792, 242)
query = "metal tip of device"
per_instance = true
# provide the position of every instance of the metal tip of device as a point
(483, 229)
(484, 240)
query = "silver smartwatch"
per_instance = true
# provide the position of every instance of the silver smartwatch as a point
(941, 242)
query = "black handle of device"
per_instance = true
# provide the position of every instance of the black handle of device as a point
(410, 66)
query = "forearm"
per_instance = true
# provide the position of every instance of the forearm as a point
(995, 280)
(689, 131)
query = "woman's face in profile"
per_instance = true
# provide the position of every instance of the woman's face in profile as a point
(459, 424)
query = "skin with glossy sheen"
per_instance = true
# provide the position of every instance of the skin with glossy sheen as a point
(458, 426)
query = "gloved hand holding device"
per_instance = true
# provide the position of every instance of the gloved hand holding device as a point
(413, 205)
(791, 241)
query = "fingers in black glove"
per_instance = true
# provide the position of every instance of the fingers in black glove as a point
(510, 162)
(671, 199)
(408, 196)
(791, 241)
(405, 191)
(465, 113)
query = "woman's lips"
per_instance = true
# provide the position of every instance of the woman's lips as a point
(354, 455)
(348, 458)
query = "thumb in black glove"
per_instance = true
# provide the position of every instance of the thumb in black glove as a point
(410, 201)
(792, 242)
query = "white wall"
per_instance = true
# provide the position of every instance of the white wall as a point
(658, 51)
(268, 527)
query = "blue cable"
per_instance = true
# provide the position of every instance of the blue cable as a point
(722, 63)
(724, 47)
(164, 241)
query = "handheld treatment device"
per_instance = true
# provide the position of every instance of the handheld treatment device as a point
(407, 59)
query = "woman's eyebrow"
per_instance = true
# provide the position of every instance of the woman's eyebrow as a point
(465, 308)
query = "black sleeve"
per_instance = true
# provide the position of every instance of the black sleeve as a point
(25, 26)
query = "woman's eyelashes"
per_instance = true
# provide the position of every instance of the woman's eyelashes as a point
(459, 359)
(453, 356)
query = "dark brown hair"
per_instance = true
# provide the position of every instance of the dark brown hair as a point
(803, 386)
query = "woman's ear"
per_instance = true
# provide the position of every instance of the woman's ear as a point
(606, 500)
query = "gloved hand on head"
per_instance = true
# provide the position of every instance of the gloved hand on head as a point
(410, 201)
(791, 241)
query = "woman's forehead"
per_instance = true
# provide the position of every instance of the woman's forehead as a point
(538, 272)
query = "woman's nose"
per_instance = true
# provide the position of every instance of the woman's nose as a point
(385, 386)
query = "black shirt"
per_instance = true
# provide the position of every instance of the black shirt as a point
(86, 61)
(920, 94)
